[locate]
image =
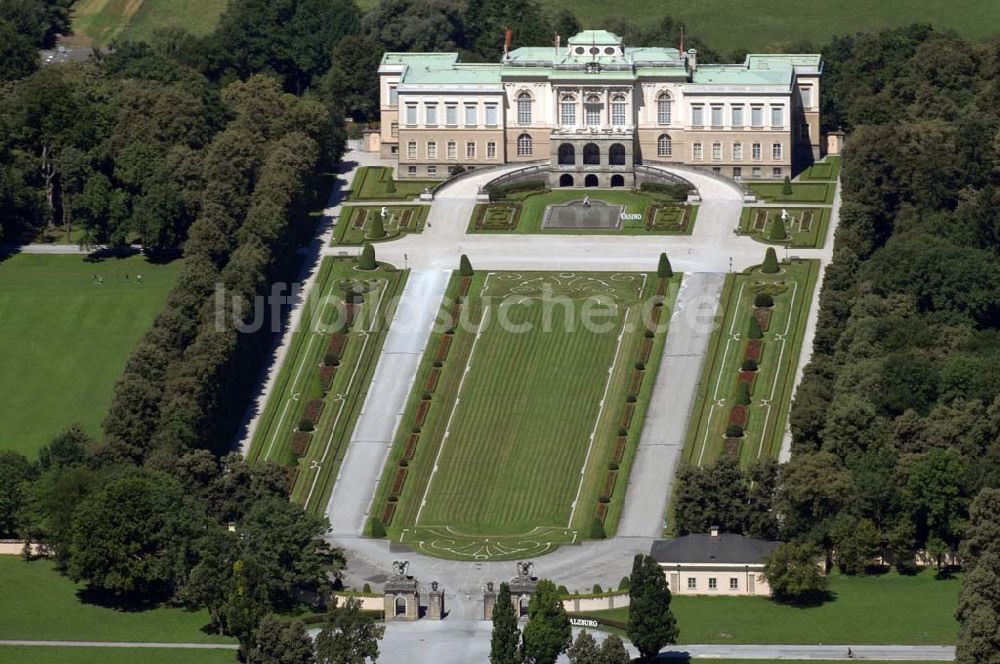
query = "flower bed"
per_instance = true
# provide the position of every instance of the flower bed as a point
(463, 286)
(645, 349)
(750, 378)
(338, 341)
(627, 413)
(732, 447)
(291, 474)
(314, 409)
(763, 316)
(456, 315)
(300, 443)
(609, 483)
(442, 350)
(326, 375)
(387, 513)
(661, 289)
(619, 450)
(432, 380)
(636, 383)
(398, 481)
(738, 415)
(411, 446)
(755, 348)
(602, 511)
(422, 413)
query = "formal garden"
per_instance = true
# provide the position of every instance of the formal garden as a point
(523, 207)
(820, 193)
(793, 227)
(742, 404)
(365, 223)
(375, 183)
(464, 480)
(307, 422)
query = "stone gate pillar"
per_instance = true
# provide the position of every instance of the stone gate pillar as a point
(402, 597)
(435, 604)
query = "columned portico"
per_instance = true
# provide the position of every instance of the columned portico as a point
(602, 153)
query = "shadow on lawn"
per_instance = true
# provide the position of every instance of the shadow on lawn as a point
(806, 600)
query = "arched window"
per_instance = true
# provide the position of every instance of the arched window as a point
(664, 146)
(617, 181)
(591, 181)
(616, 155)
(567, 110)
(567, 154)
(524, 108)
(565, 180)
(618, 110)
(592, 108)
(524, 145)
(591, 154)
(663, 104)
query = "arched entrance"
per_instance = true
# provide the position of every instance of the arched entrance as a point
(616, 155)
(567, 154)
(590, 181)
(591, 154)
(522, 606)
(566, 180)
(400, 606)
(617, 181)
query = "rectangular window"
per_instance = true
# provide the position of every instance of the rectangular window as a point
(777, 116)
(432, 170)
(411, 170)
(717, 170)
(663, 105)
(757, 116)
(712, 583)
(411, 150)
(491, 115)
(692, 583)
(452, 150)
(734, 583)
(451, 115)
(757, 172)
(394, 149)
(697, 116)
(716, 116)
(696, 152)
(776, 152)
(470, 150)
(716, 151)
(617, 112)
(393, 95)
(411, 114)
(737, 172)
(431, 113)
(394, 129)
(737, 151)
(432, 150)
(804, 131)
(491, 150)
(806, 96)
(567, 113)
(737, 116)
(470, 115)
(755, 152)
(776, 172)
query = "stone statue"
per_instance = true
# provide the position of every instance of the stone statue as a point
(400, 567)
(385, 213)
(784, 214)
(586, 201)
(524, 570)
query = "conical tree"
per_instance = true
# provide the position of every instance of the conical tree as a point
(506, 636)
(547, 634)
(376, 230)
(651, 624)
(663, 269)
(786, 187)
(367, 259)
(597, 529)
(465, 266)
(777, 231)
(770, 265)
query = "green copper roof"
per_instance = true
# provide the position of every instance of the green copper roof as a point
(740, 75)
(595, 37)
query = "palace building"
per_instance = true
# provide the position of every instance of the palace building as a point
(595, 108)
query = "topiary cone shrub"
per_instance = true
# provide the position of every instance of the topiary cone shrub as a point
(734, 431)
(465, 266)
(749, 364)
(777, 233)
(664, 269)
(597, 590)
(763, 300)
(770, 265)
(367, 259)
(377, 229)
(786, 187)
(377, 530)
(306, 425)
(597, 529)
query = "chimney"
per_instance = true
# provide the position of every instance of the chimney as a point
(508, 35)
(557, 44)
(680, 47)
(714, 531)
(692, 59)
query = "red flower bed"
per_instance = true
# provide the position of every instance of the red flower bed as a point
(463, 286)
(755, 348)
(442, 350)
(763, 316)
(387, 513)
(661, 289)
(350, 313)
(627, 415)
(750, 378)
(397, 482)
(609, 483)
(422, 412)
(738, 415)
(654, 317)
(300, 443)
(732, 447)
(456, 314)
(326, 375)
(314, 409)
(291, 474)
(602, 511)
(645, 349)
(633, 388)
(337, 343)
(619, 451)
(411, 446)
(432, 380)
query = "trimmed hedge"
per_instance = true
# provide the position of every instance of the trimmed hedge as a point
(500, 192)
(678, 192)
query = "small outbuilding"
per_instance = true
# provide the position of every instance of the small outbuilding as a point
(714, 564)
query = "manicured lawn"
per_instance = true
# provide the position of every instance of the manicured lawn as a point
(66, 338)
(507, 421)
(804, 228)
(356, 222)
(68, 655)
(823, 171)
(41, 604)
(375, 183)
(802, 192)
(731, 26)
(772, 383)
(300, 382)
(98, 22)
(524, 213)
(888, 609)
